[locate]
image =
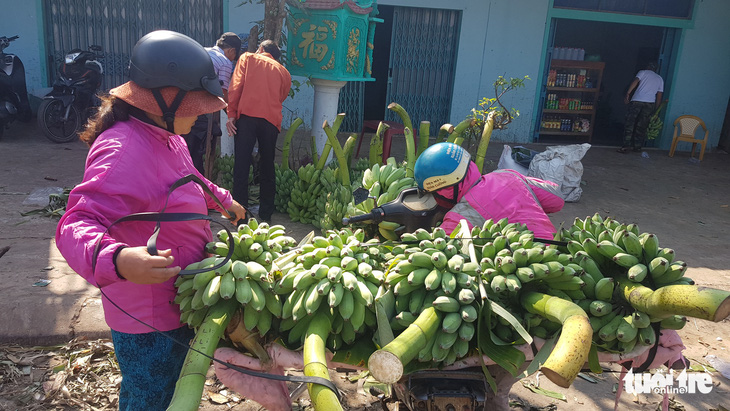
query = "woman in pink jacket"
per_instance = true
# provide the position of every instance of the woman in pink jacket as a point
(446, 171)
(136, 154)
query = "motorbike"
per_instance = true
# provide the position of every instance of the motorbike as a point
(13, 93)
(65, 109)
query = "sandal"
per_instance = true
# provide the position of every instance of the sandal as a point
(623, 150)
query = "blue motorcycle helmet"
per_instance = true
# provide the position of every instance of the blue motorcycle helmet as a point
(441, 166)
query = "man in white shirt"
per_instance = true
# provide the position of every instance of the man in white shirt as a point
(224, 55)
(648, 89)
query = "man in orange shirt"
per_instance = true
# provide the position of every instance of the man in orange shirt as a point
(254, 115)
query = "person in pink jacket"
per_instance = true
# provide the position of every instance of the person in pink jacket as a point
(136, 154)
(446, 171)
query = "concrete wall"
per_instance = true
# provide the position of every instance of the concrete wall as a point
(24, 19)
(701, 84)
(491, 43)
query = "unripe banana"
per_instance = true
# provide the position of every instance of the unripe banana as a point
(627, 329)
(609, 249)
(228, 285)
(674, 272)
(451, 322)
(347, 305)
(607, 333)
(647, 336)
(625, 260)
(468, 313)
(448, 282)
(650, 244)
(599, 308)
(658, 267)
(446, 304)
(637, 272)
(211, 295)
(258, 297)
(433, 279)
(674, 322)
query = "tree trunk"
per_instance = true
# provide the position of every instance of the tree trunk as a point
(274, 14)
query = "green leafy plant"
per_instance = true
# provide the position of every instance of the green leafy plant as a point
(494, 106)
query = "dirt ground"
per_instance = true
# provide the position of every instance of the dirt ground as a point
(685, 203)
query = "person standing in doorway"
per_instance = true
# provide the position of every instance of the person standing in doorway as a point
(259, 86)
(224, 54)
(647, 89)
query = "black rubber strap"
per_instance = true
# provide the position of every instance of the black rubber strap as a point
(168, 112)
(652, 351)
(159, 217)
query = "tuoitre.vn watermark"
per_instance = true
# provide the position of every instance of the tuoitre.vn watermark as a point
(660, 383)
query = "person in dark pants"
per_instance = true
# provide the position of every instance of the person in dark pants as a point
(259, 86)
(647, 88)
(223, 55)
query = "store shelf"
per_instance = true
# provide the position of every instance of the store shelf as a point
(564, 133)
(574, 89)
(551, 111)
(571, 73)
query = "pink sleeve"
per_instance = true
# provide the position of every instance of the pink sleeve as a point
(86, 219)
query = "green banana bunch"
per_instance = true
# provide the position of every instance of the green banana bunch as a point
(608, 250)
(335, 275)
(336, 207)
(285, 179)
(247, 277)
(428, 270)
(384, 182)
(304, 193)
(329, 183)
(223, 170)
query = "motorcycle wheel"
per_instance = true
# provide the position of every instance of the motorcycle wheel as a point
(50, 120)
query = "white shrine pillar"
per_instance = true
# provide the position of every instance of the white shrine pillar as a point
(326, 98)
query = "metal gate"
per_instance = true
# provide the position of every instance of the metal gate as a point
(351, 103)
(117, 25)
(420, 70)
(422, 64)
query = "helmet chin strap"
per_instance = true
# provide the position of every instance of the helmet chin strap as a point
(168, 112)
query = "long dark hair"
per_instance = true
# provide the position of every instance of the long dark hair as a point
(112, 109)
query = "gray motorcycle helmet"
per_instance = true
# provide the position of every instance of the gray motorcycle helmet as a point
(166, 58)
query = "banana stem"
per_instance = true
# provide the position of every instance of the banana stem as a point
(444, 132)
(574, 344)
(410, 152)
(688, 300)
(339, 154)
(315, 363)
(348, 149)
(376, 145)
(423, 136)
(484, 141)
(325, 155)
(190, 384)
(250, 341)
(387, 364)
(402, 113)
(456, 137)
(287, 142)
(315, 153)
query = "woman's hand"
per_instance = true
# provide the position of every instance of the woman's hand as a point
(237, 211)
(135, 264)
